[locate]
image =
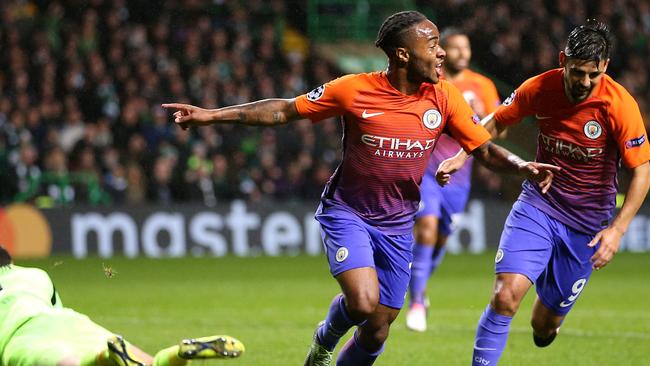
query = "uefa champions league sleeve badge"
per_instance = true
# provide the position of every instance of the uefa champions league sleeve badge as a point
(316, 94)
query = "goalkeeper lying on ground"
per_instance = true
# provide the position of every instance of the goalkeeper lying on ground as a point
(36, 330)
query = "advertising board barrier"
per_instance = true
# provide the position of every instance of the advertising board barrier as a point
(234, 228)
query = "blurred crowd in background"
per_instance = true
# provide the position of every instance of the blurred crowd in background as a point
(81, 83)
(514, 40)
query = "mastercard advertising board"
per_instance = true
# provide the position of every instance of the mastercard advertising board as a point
(233, 228)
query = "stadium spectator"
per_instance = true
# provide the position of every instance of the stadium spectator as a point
(56, 184)
(38, 331)
(161, 187)
(198, 180)
(27, 169)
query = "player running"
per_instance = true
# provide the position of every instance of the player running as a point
(392, 120)
(440, 206)
(36, 330)
(588, 123)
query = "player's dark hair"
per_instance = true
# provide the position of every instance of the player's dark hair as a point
(591, 42)
(5, 257)
(390, 35)
(448, 33)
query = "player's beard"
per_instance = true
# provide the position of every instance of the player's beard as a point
(579, 93)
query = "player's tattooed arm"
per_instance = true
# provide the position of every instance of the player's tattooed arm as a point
(610, 237)
(267, 112)
(501, 160)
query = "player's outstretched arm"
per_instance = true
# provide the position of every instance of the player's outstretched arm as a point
(267, 112)
(500, 160)
(610, 237)
(451, 165)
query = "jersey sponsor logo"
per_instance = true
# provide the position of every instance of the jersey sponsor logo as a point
(499, 256)
(569, 150)
(316, 94)
(432, 119)
(635, 142)
(393, 147)
(342, 254)
(593, 130)
(510, 99)
(367, 115)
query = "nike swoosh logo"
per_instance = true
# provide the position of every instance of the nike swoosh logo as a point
(564, 305)
(542, 117)
(365, 114)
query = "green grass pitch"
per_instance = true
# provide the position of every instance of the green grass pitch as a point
(273, 304)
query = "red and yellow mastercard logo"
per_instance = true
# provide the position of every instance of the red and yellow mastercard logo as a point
(25, 232)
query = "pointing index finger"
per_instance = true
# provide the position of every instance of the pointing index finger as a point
(174, 105)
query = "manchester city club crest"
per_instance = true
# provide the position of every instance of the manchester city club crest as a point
(593, 130)
(499, 256)
(315, 94)
(432, 119)
(341, 254)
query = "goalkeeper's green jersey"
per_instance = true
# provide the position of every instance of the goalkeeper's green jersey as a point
(25, 293)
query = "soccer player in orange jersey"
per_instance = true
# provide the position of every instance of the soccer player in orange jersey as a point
(392, 120)
(439, 206)
(588, 124)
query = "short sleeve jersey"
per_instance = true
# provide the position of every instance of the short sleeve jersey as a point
(25, 293)
(587, 140)
(481, 94)
(388, 139)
